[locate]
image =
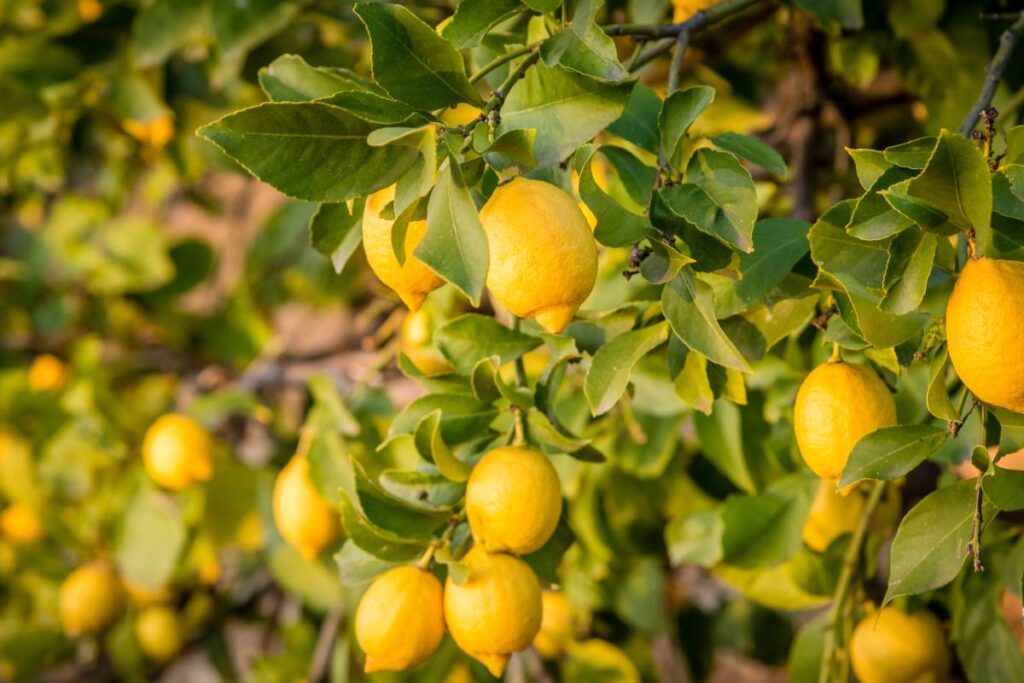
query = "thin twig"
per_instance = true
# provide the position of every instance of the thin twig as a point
(994, 72)
(324, 646)
(502, 59)
(846, 575)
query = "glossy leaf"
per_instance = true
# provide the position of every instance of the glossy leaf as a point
(891, 452)
(689, 309)
(612, 365)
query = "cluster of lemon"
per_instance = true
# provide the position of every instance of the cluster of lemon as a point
(542, 254)
(513, 504)
(839, 403)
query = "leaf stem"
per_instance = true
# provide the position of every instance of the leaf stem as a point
(1007, 43)
(846, 576)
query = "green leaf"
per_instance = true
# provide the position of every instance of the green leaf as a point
(550, 435)
(927, 216)
(335, 232)
(470, 338)
(356, 567)
(937, 398)
(678, 113)
(151, 538)
(394, 514)
(474, 18)
(428, 490)
(689, 309)
(931, 544)
(240, 25)
(874, 218)
(311, 581)
(639, 122)
(375, 108)
(431, 445)
(616, 226)
(1004, 488)
(584, 47)
(985, 642)
(545, 561)
(880, 329)
(325, 394)
(870, 165)
(765, 529)
(377, 542)
(779, 244)
(911, 256)
(612, 365)
(696, 538)
(289, 78)
(753, 150)
(721, 435)
(718, 198)
(891, 452)
(565, 108)
(161, 27)
(847, 13)
(308, 150)
(956, 180)
(857, 265)
(914, 154)
(412, 62)
(463, 417)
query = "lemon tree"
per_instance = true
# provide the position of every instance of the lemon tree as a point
(638, 340)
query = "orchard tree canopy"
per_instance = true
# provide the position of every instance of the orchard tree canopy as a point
(591, 340)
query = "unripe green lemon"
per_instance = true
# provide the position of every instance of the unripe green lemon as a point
(496, 611)
(400, 619)
(176, 452)
(89, 599)
(985, 331)
(543, 257)
(837, 404)
(892, 646)
(513, 500)
(303, 517)
(158, 633)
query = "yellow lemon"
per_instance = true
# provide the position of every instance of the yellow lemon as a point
(47, 373)
(833, 514)
(89, 10)
(894, 647)
(176, 452)
(496, 611)
(158, 632)
(155, 132)
(89, 599)
(303, 517)
(461, 114)
(837, 404)
(412, 280)
(684, 9)
(20, 524)
(556, 625)
(415, 337)
(400, 619)
(985, 331)
(142, 595)
(543, 258)
(513, 500)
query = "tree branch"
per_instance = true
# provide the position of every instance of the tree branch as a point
(324, 646)
(1007, 42)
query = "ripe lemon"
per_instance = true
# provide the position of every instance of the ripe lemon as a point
(303, 517)
(985, 331)
(412, 280)
(462, 114)
(543, 258)
(513, 500)
(833, 514)
(894, 647)
(497, 611)
(158, 632)
(556, 625)
(20, 524)
(176, 452)
(684, 9)
(415, 336)
(837, 404)
(47, 373)
(400, 619)
(89, 599)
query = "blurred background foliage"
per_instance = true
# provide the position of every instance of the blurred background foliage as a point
(164, 279)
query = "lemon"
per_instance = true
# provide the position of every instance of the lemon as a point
(894, 647)
(155, 132)
(684, 9)
(833, 514)
(142, 595)
(303, 517)
(20, 524)
(513, 500)
(837, 404)
(462, 114)
(985, 331)
(556, 625)
(89, 599)
(543, 258)
(89, 10)
(47, 373)
(412, 280)
(400, 619)
(415, 337)
(176, 452)
(158, 632)
(496, 611)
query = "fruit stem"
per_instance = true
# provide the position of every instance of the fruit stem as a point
(843, 587)
(836, 356)
(424, 562)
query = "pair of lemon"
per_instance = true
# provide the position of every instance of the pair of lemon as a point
(513, 503)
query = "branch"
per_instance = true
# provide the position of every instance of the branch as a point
(324, 646)
(994, 72)
(846, 575)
